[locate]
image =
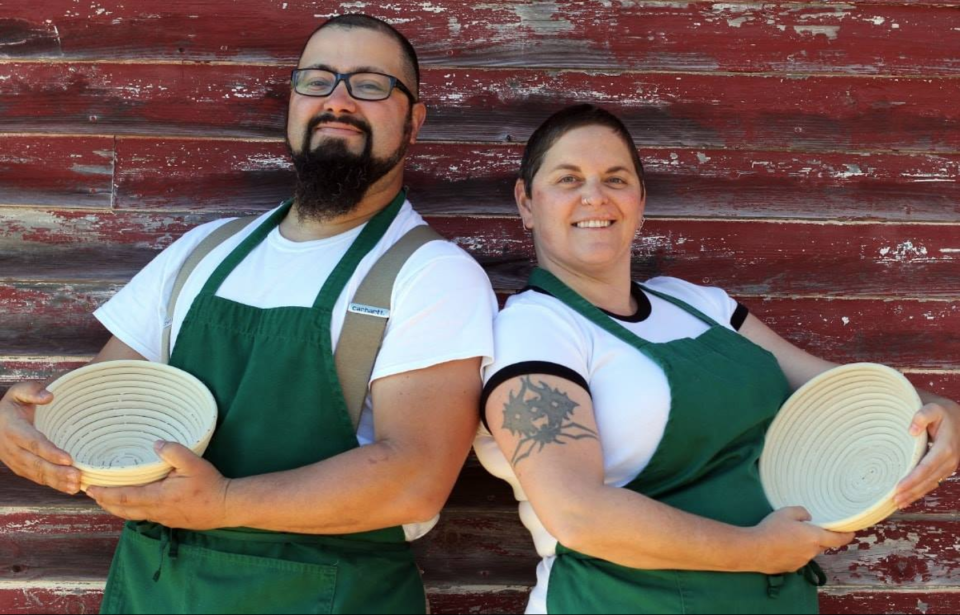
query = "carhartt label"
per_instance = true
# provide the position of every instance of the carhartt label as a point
(369, 310)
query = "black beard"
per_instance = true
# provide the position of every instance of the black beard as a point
(332, 180)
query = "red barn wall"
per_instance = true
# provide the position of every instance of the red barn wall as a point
(802, 155)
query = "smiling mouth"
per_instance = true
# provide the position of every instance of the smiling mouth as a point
(338, 129)
(594, 224)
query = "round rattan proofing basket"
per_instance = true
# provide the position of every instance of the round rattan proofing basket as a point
(108, 416)
(840, 444)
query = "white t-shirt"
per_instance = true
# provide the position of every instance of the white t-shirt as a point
(442, 304)
(537, 333)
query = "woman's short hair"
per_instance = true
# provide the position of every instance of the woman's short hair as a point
(562, 122)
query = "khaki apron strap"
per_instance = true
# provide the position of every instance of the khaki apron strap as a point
(206, 246)
(367, 317)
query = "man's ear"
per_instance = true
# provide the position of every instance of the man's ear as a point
(418, 117)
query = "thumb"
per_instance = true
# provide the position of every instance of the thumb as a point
(30, 393)
(177, 455)
(797, 513)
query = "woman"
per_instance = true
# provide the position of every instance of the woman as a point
(629, 419)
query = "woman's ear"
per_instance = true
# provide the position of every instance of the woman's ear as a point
(523, 204)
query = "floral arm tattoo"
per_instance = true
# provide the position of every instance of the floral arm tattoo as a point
(540, 415)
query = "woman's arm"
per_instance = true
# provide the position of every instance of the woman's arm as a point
(939, 416)
(559, 463)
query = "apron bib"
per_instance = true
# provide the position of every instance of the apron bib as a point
(281, 407)
(725, 391)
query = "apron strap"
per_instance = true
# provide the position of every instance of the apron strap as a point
(553, 285)
(367, 316)
(368, 238)
(683, 306)
(206, 246)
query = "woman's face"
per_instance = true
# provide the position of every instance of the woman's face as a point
(586, 202)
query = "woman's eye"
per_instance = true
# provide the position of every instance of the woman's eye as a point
(617, 180)
(567, 179)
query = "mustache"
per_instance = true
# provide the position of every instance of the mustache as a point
(329, 118)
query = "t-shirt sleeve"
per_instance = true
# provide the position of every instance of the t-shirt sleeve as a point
(136, 314)
(534, 339)
(442, 310)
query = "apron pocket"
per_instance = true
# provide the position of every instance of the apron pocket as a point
(201, 580)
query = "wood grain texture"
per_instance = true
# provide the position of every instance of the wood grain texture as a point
(489, 547)
(84, 597)
(797, 37)
(43, 171)
(749, 257)
(814, 113)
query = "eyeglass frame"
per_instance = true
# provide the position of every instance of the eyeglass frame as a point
(395, 83)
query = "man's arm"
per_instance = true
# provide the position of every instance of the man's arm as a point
(425, 421)
(28, 452)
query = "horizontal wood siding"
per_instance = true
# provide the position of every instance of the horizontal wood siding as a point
(802, 155)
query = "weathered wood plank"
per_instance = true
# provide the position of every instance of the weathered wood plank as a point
(746, 257)
(752, 257)
(492, 547)
(700, 36)
(478, 179)
(56, 318)
(663, 109)
(51, 596)
(231, 176)
(920, 602)
(46, 171)
(84, 597)
(918, 334)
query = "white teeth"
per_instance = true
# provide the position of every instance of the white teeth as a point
(594, 224)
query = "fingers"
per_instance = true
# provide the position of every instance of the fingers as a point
(60, 477)
(930, 414)
(930, 480)
(31, 455)
(835, 540)
(29, 439)
(928, 469)
(121, 498)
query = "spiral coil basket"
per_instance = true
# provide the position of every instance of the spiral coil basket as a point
(840, 445)
(108, 416)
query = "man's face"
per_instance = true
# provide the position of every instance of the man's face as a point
(348, 121)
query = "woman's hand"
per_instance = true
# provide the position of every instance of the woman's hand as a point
(785, 541)
(941, 419)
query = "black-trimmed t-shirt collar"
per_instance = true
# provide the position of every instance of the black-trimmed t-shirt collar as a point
(644, 308)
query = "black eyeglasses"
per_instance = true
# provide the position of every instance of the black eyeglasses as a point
(361, 86)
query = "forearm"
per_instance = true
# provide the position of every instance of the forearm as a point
(366, 488)
(632, 530)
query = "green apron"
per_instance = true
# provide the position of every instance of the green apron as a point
(281, 407)
(725, 391)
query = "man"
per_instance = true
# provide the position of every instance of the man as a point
(313, 521)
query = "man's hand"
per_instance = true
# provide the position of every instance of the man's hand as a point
(193, 496)
(25, 450)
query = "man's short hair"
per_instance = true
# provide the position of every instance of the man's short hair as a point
(359, 20)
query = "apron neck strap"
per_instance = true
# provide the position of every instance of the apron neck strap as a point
(369, 237)
(246, 246)
(683, 306)
(553, 285)
(371, 234)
